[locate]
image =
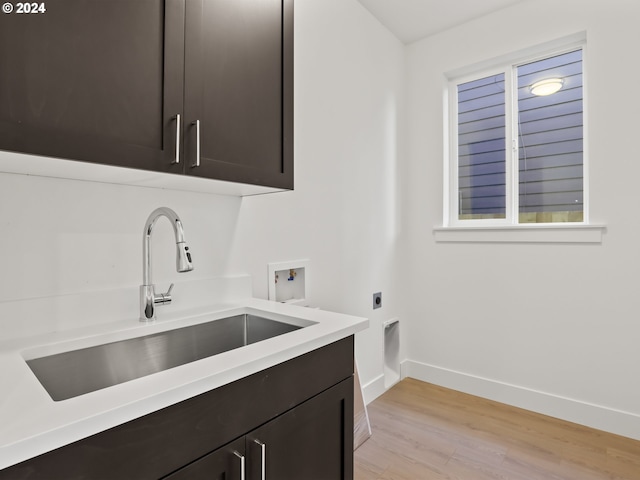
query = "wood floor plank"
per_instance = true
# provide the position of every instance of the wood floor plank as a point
(422, 431)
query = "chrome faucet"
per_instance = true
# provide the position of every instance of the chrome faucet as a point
(148, 297)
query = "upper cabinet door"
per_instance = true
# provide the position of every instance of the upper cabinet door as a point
(239, 91)
(94, 80)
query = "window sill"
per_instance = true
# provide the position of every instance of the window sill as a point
(521, 234)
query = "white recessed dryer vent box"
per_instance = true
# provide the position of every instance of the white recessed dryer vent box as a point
(391, 329)
(289, 282)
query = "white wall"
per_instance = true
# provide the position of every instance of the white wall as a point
(343, 215)
(550, 327)
(553, 328)
(63, 237)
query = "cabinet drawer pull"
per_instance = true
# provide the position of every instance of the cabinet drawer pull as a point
(176, 160)
(241, 457)
(263, 455)
(196, 162)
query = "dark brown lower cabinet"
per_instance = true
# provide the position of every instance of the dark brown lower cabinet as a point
(300, 444)
(226, 463)
(292, 421)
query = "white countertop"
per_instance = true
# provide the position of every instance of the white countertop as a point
(32, 423)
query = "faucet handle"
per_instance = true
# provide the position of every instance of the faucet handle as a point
(163, 298)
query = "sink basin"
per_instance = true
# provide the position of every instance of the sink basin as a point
(70, 374)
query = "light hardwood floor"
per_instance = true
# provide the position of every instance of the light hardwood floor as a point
(422, 431)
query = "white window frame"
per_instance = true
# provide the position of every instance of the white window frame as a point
(509, 229)
(454, 200)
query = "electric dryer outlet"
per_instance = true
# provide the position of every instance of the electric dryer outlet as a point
(377, 300)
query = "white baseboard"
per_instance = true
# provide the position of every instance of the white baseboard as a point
(595, 416)
(373, 389)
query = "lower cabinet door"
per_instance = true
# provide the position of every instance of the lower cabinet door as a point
(313, 441)
(226, 463)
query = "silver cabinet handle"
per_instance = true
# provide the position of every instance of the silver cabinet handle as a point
(241, 457)
(176, 160)
(263, 455)
(196, 162)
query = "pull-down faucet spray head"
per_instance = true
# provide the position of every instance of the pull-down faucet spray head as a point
(148, 297)
(183, 258)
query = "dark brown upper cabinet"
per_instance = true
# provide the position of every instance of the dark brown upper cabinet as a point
(239, 87)
(188, 87)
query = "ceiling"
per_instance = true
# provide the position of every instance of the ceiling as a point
(411, 20)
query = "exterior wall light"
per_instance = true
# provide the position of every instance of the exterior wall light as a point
(546, 87)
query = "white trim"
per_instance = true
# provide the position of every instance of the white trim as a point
(447, 147)
(451, 161)
(506, 64)
(534, 233)
(373, 389)
(584, 413)
(511, 170)
(586, 190)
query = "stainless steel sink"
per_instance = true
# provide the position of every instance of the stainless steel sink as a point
(69, 374)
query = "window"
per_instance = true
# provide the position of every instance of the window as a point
(517, 154)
